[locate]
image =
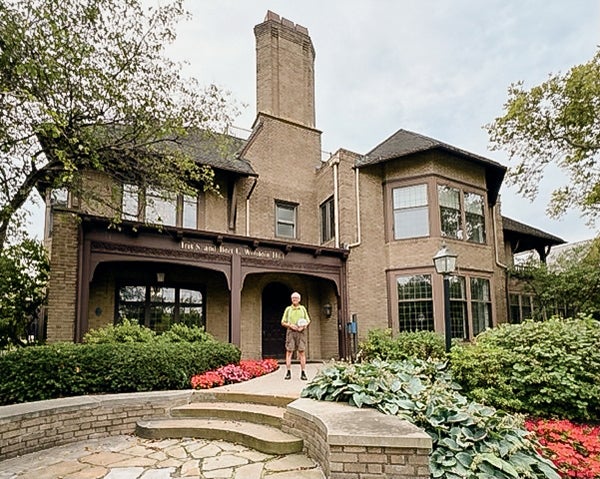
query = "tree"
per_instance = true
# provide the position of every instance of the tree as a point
(23, 278)
(557, 122)
(570, 285)
(86, 85)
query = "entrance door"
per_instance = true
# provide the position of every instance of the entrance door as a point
(275, 298)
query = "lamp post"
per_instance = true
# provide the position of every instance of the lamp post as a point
(445, 264)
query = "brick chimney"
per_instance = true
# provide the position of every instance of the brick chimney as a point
(285, 80)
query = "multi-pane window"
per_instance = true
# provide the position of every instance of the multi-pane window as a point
(481, 305)
(453, 204)
(285, 220)
(327, 220)
(161, 207)
(415, 303)
(158, 307)
(474, 217)
(450, 212)
(411, 212)
(520, 307)
(458, 308)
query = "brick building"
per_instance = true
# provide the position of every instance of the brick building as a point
(354, 234)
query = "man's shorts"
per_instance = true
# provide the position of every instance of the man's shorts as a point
(295, 340)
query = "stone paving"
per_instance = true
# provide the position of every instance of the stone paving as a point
(130, 457)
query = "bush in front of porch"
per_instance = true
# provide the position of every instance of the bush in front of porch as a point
(111, 365)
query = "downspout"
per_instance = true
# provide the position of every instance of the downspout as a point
(336, 204)
(248, 205)
(357, 199)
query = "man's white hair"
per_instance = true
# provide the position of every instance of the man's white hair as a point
(295, 293)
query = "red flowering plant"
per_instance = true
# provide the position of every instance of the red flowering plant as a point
(573, 448)
(207, 380)
(234, 373)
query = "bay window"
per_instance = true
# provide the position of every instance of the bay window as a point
(462, 214)
(481, 305)
(411, 211)
(415, 302)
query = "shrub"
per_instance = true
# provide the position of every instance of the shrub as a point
(574, 449)
(543, 369)
(125, 332)
(418, 345)
(180, 332)
(469, 440)
(67, 369)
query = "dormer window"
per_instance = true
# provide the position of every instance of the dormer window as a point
(159, 207)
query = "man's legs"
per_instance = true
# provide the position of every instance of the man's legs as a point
(288, 364)
(302, 356)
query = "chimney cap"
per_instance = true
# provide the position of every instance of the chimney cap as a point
(272, 16)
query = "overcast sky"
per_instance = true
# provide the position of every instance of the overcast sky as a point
(439, 68)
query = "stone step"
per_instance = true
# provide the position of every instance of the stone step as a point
(212, 395)
(266, 439)
(254, 413)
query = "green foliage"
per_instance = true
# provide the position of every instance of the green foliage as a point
(67, 369)
(571, 282)
(555, 122)
(545, 369)
(181, 332)
(410, 345)
(124, 332)
(87, 85)
(23, 278)
(469, 440)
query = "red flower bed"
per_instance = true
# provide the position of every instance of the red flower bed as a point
(573, 448)
(234, 373)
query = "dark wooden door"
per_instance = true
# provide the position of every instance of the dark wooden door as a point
(275, 298)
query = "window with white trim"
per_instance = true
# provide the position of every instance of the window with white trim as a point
(411, 211)
(285, 220)
(159, 207)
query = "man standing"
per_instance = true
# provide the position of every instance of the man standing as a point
(295, 319)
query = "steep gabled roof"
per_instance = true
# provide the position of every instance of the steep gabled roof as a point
(404, 143)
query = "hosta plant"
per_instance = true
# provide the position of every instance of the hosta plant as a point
(469, 440)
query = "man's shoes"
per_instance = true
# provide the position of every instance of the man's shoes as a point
(303, 376)
(288, 375)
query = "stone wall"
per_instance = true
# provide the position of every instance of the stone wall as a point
(348, 443)
(351, 443)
